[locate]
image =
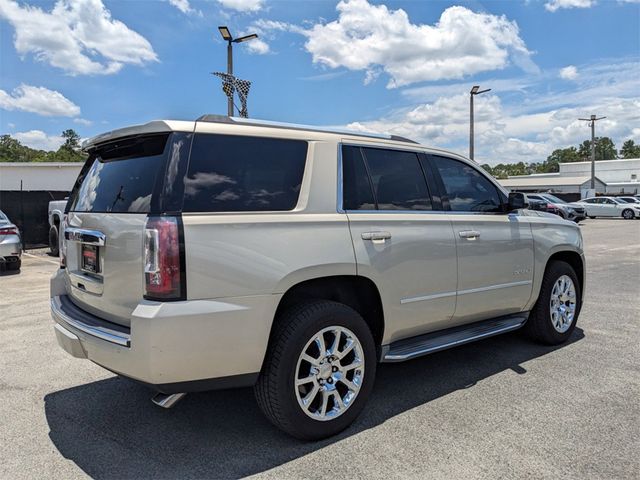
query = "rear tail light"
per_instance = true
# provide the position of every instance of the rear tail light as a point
(164, 272)
(62, 243)
(9, 231)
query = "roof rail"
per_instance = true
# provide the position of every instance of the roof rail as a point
(293, 126)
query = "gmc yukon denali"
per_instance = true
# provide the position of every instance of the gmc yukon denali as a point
(228, 252)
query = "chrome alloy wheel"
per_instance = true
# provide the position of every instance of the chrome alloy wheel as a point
(329, 373)
(563, 303)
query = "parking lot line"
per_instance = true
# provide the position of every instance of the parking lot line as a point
(40, 258)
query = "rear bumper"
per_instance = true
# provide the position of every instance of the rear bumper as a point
(10, 248)
(174, 346)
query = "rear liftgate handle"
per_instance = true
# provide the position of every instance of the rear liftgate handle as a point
(376, 237)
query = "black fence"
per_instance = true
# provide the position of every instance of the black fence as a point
(29, 211)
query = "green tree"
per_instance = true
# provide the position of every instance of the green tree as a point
(71, 140)
(630, 150)
(605, 149)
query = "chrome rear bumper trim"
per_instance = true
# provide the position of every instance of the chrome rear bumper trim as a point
(113, 336)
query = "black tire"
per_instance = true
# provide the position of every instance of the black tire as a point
(275, 391)
(628, 214)
(54, 244)
(14, 265)
(591, 217)
(539, 327)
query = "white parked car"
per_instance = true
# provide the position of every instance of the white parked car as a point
(629, 199)
(610, 207)
(10, 243)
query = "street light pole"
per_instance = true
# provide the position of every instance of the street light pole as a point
(592, 122)
(475, 90)
(226, 35)
(230, 72)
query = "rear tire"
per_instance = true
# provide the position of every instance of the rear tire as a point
(302, 411)
(591, 217)
(553, 319)
(628, 214)
(54, 244)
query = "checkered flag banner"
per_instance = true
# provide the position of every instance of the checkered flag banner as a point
(231, 84)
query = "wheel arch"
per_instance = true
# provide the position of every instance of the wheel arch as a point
(355, 291)
(574, 259)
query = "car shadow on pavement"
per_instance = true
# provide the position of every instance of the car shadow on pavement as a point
(110, 428)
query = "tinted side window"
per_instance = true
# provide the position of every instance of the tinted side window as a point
(468, 190)
(230, 173)
(397, 179)
(357, 193)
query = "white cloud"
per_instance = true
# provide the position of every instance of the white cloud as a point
(184, 6)
(554, 5)
(569, 73)
(374, 38)
(243, 5)
(40, 100)
(39, 140)
(83, 121)
(532, 123)
(77, 36)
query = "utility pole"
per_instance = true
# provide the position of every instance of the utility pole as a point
(592, 122)
(474, 91)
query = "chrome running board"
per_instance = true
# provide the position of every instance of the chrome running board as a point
(409, 348)
(166, 400)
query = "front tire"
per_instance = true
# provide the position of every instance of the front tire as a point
(555, 314)
(628, 214)
(319, 370)
(14, 265)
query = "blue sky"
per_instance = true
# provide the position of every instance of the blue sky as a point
(403, 67)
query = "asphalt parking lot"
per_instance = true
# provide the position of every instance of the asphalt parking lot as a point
(502, 407)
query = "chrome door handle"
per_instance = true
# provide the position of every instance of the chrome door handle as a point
(376, 237)
(469, 234)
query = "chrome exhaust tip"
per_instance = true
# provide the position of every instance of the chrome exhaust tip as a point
(166, 400)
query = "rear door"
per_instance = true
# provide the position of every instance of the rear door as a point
(495, 249)
(402, 239)
(119, 186)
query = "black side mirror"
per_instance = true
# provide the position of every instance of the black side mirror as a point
(517, 201)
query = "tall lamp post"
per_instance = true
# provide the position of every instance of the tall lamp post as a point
(592, 123)
(226, 35)
(475, 90)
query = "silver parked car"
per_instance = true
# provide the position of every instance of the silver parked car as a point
(230, 252)
(610, 207)
(10, 244)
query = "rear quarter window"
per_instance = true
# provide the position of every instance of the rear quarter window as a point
(232, 173)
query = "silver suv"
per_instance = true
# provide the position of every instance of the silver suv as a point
(226, 252)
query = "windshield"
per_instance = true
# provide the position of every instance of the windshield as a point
(628, 199)
(553, 199)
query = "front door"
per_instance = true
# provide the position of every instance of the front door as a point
(495, 249)
(401, 241)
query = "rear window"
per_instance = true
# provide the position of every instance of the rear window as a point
(121, 177)
(229, 173)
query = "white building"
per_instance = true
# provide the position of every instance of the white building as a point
(612, 176)
(38, 176)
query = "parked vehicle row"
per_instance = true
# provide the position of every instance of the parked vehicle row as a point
(610, 207)
(557, 206)
(10, 244)
(230, 252)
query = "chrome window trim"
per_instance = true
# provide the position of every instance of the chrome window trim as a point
(424, 151)
(465, 292)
